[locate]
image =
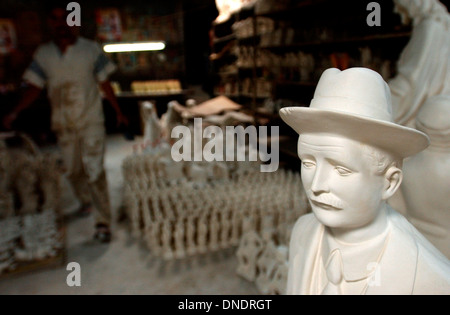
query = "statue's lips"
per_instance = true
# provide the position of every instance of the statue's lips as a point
(324, 205)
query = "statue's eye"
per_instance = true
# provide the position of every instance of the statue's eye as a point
(308, 164)
(343, 171)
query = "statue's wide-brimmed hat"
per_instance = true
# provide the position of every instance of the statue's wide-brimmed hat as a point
(356, 104)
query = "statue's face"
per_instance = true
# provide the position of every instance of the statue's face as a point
(339, 180)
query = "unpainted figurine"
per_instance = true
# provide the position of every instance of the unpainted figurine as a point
(202, 234)
(180, 250)
(214, 232)
(250, 247)
(167, 240)
(152, 128)
(266, 265)
(190, 236)
(354, 242)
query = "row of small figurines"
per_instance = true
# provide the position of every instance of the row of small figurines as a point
(190, 236)
(152, 171)
(233, 189)
(152, 167)
(158, 213)
(159, 207)
(249, 220)
(241, 187)
(248, 188)
(160, 166)
(166, 210)
(214, 197)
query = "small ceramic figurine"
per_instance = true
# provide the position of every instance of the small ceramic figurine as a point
(214, 232)
(169, 120)
(190, 236)
(152, 127)
(154, 238)
(354, 242)
(180, 250)
(235, 228)
(249, 249)
(266, 265)
(225, 226)
(167, 240)
(423, 69)
(202, 234)
(426, 201)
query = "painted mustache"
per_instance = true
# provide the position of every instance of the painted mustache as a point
(326, 200)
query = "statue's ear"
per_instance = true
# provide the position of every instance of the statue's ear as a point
(392, 180)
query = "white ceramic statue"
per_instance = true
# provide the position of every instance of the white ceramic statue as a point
(353, 242)
(425, 189)
(424, 65)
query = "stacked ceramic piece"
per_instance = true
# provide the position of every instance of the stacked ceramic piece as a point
(29, 205)
(39, 236)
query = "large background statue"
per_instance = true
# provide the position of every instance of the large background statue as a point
(424, 65)
(353, 242)
(424, 193)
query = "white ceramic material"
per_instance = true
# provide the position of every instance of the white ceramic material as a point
(152, 127)
(251, 245)
(423, 69)
(354, 242)
(426, 201)
(228, 203)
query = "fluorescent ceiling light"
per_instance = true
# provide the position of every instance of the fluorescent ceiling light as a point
(138, 46)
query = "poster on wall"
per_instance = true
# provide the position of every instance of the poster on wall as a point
(109, 26)
(8, 38)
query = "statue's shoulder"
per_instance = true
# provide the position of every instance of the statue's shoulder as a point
(305, 226)
(432, 268)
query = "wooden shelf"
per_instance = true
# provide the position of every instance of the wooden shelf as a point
(224, 39)
(130, 94)
(228, 73)
(352, 40)
(296, 83)
(291, 10)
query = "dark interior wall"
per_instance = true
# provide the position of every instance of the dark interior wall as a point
(141, 20)
(147, 19)
(198, 18)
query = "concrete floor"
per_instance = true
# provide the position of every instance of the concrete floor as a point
(125, 266)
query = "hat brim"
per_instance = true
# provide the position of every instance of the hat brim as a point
(393, 138)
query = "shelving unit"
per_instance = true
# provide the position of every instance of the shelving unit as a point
(306, 38)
